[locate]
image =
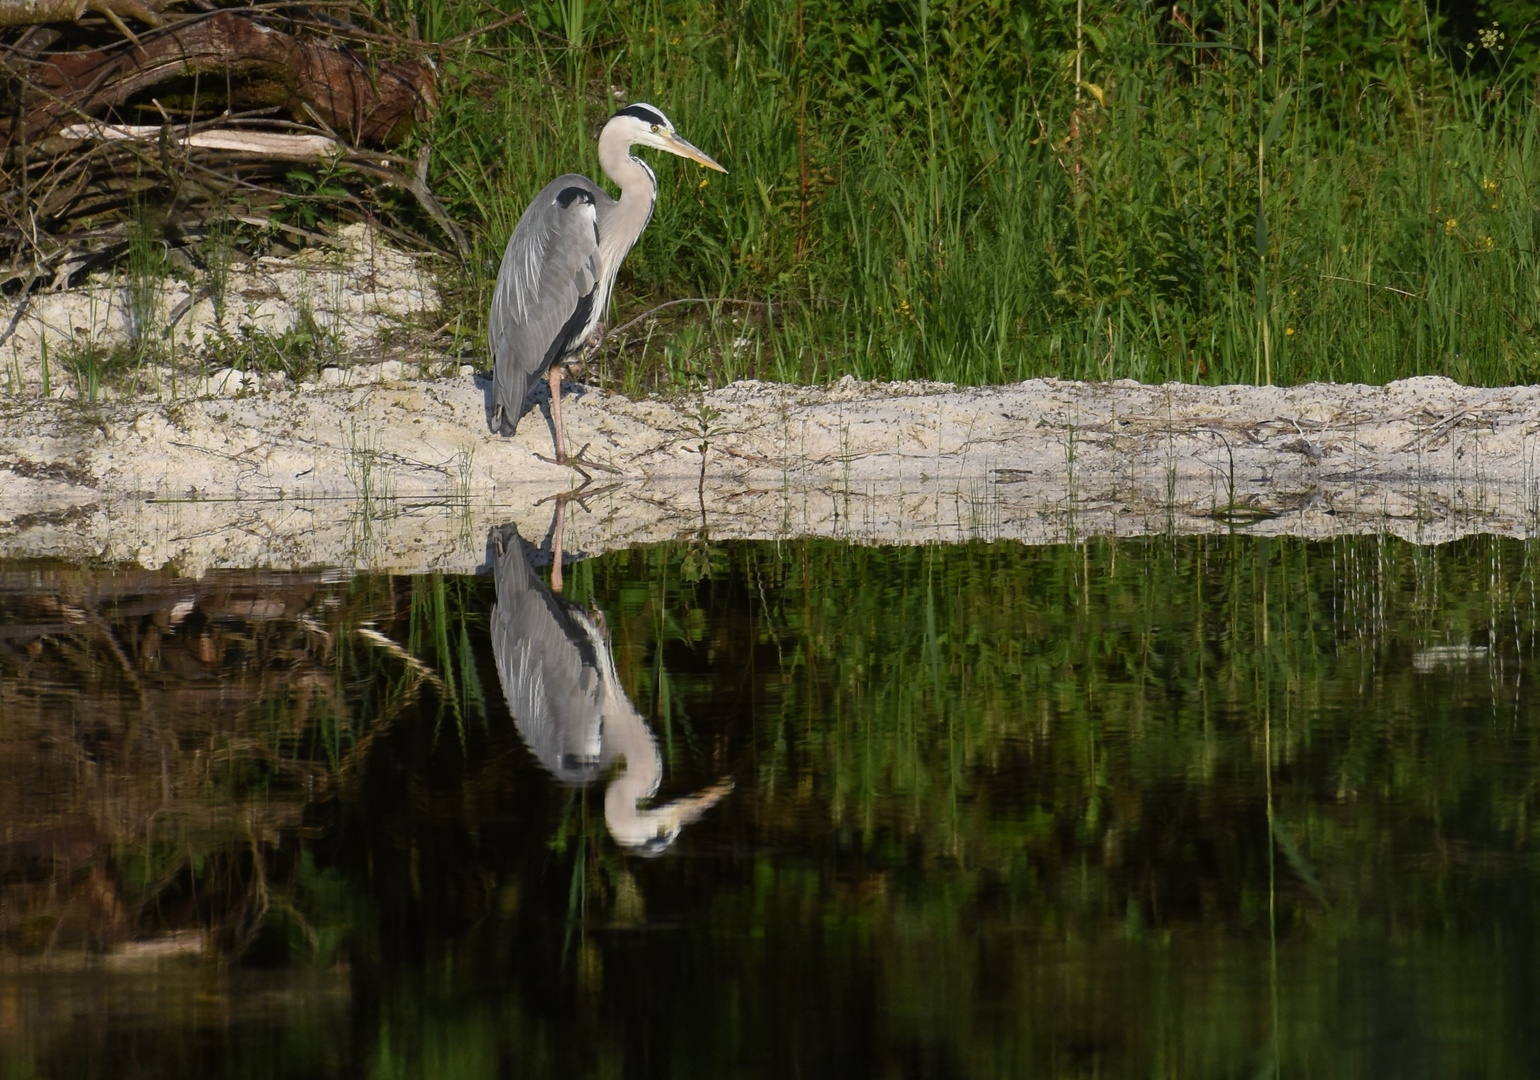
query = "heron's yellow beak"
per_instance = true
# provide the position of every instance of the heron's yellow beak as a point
(687, 149)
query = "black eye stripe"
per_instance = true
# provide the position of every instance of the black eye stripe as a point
(645, 113)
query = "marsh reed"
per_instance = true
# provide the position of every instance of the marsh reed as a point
(982, 192)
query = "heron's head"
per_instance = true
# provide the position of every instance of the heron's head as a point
(644, 125)
(651, 832)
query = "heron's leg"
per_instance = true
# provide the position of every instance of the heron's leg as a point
(561, 519)
(580, 460)
(553, 380)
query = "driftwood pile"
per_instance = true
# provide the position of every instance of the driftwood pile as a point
(181, 112)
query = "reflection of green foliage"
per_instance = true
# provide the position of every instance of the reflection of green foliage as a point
(913, 686)
(972, 764)
(652, 688)
(1024, 811)
(450, 1049)
(439, 635)
(332, 912)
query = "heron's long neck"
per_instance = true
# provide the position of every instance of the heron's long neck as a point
(626, 735)
(638, 191)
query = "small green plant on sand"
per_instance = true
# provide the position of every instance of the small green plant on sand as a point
(298, 351)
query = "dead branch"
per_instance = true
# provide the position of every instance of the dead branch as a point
(263, 144)
(39, 12)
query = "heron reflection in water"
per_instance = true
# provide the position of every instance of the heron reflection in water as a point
(558, 675)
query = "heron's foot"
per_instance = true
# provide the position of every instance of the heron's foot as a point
(582, 494)
(582, 463)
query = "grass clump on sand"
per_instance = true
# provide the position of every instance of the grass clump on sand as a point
(986, 191)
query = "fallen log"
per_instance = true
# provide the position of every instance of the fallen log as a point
(367, 103)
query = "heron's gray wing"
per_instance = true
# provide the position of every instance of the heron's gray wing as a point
(543, 303)
(547, 666)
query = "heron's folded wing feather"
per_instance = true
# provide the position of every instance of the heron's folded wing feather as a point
(543, 302)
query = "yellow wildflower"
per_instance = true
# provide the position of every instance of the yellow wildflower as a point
(1450, 226)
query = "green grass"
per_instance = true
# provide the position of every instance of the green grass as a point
(924, 190)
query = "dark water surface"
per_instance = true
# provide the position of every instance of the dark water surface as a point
(1203, 807)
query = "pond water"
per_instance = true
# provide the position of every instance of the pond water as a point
(1197, 807)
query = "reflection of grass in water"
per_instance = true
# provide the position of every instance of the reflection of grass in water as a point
(205, 778)
(964, 765)
(439, 635)
(596, 877)
(369, 470)
(905, 672)
(1066, 756)
(653, 689)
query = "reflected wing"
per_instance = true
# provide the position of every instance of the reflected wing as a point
(543, 303)
(547, 666)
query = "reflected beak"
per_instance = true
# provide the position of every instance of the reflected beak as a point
(689, 150)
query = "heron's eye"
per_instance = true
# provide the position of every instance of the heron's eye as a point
(656, 128)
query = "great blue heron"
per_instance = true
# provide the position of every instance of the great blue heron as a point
(558, 676)
(560, 264)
